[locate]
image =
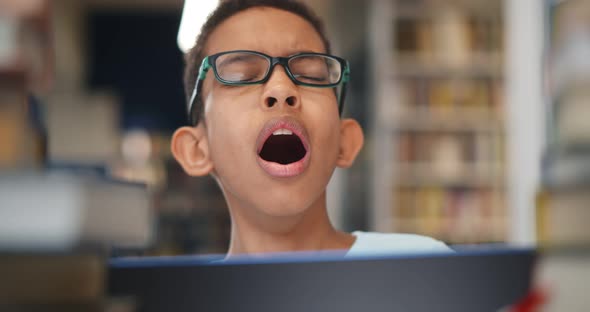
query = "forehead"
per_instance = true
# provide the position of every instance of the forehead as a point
(268, 30)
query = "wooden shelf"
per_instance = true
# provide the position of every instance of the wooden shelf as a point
(427, 8)
(453, 120)
(469, 175)
(13, 75)
(480, 64)
(455, 231)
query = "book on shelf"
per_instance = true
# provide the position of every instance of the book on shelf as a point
(19, 140)
(572, 111)
(76, 118)
(73, 281)
(445, 95)
(453, 36)
(456, 215)
(485, 34)
(58, 211)
(562, 217)
(51, 278)
(449, 156)
(566, 166)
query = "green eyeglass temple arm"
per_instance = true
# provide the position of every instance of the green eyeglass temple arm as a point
(192, 119)
(204, 68)
(342, 97)
(205, 65)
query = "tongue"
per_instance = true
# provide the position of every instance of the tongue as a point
(282, 149)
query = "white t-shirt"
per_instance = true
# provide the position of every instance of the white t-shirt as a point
(371, 243)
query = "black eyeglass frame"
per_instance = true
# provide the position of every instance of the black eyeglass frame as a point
(209, 62)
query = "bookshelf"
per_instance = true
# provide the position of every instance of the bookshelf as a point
(25, 68)
(438, 137)
(57, 221)
(191, 213)
(562, 203)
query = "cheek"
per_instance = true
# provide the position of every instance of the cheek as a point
(323, 112)
(329, 139)
(229, 131)
(223, 130)
(230, 100)
(228, 151)
(323, 102)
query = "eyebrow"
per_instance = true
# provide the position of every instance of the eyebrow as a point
(244, 56)
(303, 51)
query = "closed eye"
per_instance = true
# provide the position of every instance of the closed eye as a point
(311, 79)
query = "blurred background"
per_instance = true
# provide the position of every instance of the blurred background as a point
(475, 115)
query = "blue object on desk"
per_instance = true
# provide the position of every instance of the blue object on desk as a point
(466, 281)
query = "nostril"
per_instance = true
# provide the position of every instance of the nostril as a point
(291, 101)
(270, 101)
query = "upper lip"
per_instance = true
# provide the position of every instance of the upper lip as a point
(283, 122)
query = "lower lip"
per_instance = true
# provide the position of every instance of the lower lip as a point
(284, 171)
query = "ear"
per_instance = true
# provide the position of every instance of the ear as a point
(351, 142)
(191, 149)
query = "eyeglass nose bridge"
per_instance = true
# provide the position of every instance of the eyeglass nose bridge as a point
(284, 61)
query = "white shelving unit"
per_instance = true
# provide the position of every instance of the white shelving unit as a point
(448, 152)
(525, 112)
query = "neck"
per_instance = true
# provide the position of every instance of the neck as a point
(253, 232)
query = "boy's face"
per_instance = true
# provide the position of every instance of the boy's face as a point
(237, 131)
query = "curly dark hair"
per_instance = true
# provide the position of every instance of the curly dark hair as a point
(225, 10)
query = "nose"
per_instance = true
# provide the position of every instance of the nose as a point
(280, 90)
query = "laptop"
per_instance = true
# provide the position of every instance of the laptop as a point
(470, 280)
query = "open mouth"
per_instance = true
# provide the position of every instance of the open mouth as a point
(282, 147)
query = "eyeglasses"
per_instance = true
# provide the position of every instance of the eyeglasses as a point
(242, 68)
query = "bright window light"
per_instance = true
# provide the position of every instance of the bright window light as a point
(194, 14)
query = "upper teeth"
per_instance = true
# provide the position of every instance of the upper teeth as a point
(282, 132)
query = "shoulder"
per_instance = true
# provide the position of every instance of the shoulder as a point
(371, 243)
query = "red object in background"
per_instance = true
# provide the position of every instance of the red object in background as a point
(531, 303)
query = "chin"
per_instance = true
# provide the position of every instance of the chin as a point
(276, 205)
(292, 197)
